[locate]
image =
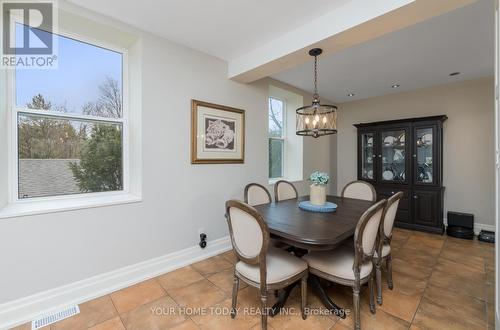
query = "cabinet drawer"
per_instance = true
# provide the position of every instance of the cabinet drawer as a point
(404, 203)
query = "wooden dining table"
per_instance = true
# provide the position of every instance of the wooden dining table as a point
(312, 231)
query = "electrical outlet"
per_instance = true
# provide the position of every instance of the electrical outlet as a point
(203, 240)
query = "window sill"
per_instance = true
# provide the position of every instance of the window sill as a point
(273, 181)
(25, 208)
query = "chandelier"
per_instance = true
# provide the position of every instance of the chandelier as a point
(316, 119)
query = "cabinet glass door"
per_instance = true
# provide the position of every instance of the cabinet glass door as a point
(393, 156)
(367, 156)
(424, 154)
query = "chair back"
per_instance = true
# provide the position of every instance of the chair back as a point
(284, 190)
(360, 190)
(248, 231)
(256, 194)
(367, 231)
(390, 215)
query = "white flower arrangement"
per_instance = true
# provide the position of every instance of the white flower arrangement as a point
(319, 178)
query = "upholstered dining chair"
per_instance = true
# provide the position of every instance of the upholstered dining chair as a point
(284, 190)
(360, 190)
(352, 267)
(258, 264)
(257, 194)
(384, 244)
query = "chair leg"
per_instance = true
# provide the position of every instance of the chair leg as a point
(236, 282)
(378, 275)
(355, 300)
(263, 299)
(303, 297)
(372, 294)
(388, 261)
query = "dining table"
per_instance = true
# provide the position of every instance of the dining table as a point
(306, 231)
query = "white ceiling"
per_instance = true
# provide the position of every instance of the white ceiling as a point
(222, 28)
(418, 56)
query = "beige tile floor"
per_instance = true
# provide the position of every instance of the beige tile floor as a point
(439, 283)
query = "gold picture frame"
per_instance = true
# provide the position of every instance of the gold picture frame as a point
(217, 134)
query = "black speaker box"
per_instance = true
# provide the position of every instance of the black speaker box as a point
(486, 236)
(460, 225)
(465, 220)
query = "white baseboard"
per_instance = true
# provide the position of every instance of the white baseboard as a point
(480, 226)
(477, 227)
(23, 310)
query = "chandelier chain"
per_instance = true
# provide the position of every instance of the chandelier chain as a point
(315, 75)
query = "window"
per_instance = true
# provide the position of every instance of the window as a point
(69, 124)
(276, 138)
(286, 159)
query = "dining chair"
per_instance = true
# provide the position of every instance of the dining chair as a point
(384, 244)
(258, 264)
(360, 190)
(284, 190)
(257, 194)
(352, 267)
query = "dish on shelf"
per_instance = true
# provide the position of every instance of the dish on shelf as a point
(388, 175)
(389, 140)
(427, 139)
(369, 142)
(428, 177)
(398, 155)
(402, 138)
(424, 173)
(369, 174)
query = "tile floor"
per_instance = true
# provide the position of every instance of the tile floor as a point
(439, 283)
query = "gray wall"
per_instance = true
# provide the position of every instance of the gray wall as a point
(46, 251)
(469, 175)
(4, 141)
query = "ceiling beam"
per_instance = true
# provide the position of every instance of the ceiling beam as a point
(356, 22)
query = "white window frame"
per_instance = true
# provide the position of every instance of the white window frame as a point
(37, 205)
(282, 138)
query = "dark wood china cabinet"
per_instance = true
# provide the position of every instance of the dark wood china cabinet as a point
(406, 155)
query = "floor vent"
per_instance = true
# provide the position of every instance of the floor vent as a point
(53, 318)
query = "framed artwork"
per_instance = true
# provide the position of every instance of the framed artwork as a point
(217, 134)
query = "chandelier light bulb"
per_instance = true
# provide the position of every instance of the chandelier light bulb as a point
(324, 120)
(316, 118)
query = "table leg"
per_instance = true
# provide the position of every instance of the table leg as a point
(315, 284)
(282, 298)
(284, 294)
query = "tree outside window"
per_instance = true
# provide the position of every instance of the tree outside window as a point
(70, 123)
(276, 137)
